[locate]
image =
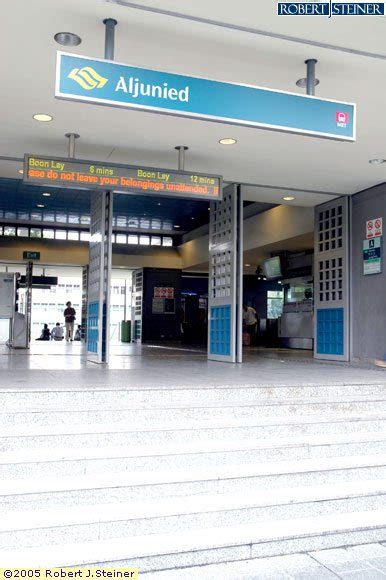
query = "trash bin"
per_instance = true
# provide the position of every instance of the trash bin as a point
(126, 331)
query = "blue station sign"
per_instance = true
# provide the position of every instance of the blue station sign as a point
(110, 83)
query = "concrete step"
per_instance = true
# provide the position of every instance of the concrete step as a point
(115, 488)
(203, 546)
(26, 437)
(84, 461)
(117, 398)
(202, 415)
(106, 521)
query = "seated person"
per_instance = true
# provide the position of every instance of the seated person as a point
(45, 335)
(78, 333)
(57, 332)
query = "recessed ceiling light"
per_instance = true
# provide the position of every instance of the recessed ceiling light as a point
(377, 161)
(176, 226)
(228, 141)
(192, 218)
(46, 194)
(159, 203)
(303, 83)
(43, 117)
(247, 265)
(288, 198)
(67, 39)
(40, 205)
(21, 171)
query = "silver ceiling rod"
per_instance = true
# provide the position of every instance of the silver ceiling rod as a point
(110, 24)
(181, 156)
(71, 144)
(248, 30)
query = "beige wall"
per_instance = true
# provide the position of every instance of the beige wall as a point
(76, 253)
(280, 223)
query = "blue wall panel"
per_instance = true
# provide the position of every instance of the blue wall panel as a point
(220, 330)
(330, 331)
(92, 333)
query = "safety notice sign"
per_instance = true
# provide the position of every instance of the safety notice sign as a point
(374, 228)
(372, 256)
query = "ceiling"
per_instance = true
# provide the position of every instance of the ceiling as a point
(142, 213)
(277, 162)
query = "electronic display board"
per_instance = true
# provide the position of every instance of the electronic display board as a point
(92, 175)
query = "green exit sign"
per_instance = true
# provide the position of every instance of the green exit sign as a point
(31, 255)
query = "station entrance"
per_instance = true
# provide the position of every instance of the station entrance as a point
(160, 279)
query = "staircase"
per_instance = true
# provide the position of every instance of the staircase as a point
(167, 478)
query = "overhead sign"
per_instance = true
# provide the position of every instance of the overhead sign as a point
(110, 83)
(80, 174)
(31, 255)
(374, 228)
(372, 258)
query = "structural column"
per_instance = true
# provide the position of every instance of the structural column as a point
(332, 281)
(98, 331)
(225, 277)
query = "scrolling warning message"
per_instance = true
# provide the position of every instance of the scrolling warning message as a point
(80, 174)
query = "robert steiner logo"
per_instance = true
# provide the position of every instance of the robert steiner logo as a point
(329, 9)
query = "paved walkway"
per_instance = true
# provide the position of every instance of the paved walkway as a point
(174, 367)
(365, 562)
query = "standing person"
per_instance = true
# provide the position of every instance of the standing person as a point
(69, 318)
(250, 322)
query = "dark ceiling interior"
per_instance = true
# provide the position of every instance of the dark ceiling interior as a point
(134, 211)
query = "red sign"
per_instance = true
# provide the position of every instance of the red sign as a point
(374, 228)
(341, 118)
(163, 292)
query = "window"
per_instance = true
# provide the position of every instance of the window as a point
(36, 216)
(9, 231)
(275, 301)
(144, 240)
(121, 221)
(61, 218)
(60, 235)
(49, 217)
(132, 239)
(155, 240)
(166, 241)
(1, 230)
(22, 232)
(73, 236)
(35, 233)
(85, 219)
(49, 234)
(84, 236)
(120, 239)
(144, 223)
(73, 219)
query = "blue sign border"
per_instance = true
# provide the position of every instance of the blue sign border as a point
(295, 105)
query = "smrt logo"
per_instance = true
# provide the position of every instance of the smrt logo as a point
(342, 119)
(330, 8)
(87, 78)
